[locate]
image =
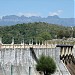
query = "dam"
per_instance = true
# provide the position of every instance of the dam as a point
(21, 59)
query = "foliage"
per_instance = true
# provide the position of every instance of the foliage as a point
(36, 31)
(46, 65)
(45, 35)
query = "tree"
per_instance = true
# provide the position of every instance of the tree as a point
(46, 65)
(45, 35)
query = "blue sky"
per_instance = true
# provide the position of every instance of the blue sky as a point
(44, 8)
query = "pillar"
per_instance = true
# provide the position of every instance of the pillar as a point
(63, 51)
(22, 42)
(32, 41)
(66, 52)
(71, 51)
(12, 43)
(12, 40)
(36, 42)
(0, 40)
(29, 42)
(39, 42)
(42, 43)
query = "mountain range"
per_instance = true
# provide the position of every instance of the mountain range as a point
(13, 19)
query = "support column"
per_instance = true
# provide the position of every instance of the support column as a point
(36, 42)
(12, 41)
(32, 41)
(39, 42)
(66, 51)
(69, 50)
(0, 40)
(22, 42)
(29, 42)
(63, 52)
(42, 43)
(0, 49)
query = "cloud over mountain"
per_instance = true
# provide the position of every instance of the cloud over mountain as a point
(55, 13)
(29, 14)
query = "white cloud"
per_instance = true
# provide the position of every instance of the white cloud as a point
(29, 14)
(55, 13)
(60, 11)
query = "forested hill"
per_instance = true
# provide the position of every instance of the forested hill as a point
(36, 31)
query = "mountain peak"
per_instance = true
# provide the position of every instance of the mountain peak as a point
(55, 16)
(13, 19)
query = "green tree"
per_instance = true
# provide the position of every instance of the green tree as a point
(45, 35)
(46, 65)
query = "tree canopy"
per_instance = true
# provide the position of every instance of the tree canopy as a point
(36, 31)
(46, 65)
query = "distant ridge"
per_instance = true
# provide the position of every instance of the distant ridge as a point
(13, 19)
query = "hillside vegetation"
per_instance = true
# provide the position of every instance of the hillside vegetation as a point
(36, 31)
